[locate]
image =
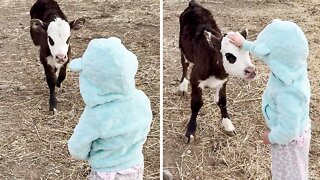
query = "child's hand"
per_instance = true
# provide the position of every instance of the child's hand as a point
(236, 39)
(266, 138)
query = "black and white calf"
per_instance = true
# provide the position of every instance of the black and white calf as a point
(213, 58)
(50, 30)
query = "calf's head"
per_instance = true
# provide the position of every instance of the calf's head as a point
(57, 35)
(236, 61)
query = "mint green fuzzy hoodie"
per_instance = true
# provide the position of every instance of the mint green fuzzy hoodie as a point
(116, 120)
(283, 47)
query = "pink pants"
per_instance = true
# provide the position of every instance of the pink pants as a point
(133, 173)
(290, 162)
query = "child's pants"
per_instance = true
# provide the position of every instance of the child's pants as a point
(133, 173)
(290, 162)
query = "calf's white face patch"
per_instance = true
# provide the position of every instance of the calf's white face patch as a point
(58, 39)
(236, 61)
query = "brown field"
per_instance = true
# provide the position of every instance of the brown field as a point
(215, 155)
(33, 143)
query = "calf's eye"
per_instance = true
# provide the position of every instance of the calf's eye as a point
(51, 41)
(68, 40)
(231, 58)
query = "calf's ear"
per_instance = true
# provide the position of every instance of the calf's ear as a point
(244, 33)
(77, 24)
(212, 39)
(38, 25)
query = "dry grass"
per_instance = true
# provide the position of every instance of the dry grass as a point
(214, 155)
(33, 142)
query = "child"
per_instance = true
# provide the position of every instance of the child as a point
(116, 120)
(283, 47)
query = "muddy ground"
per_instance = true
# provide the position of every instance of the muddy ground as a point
(33, 143)
(215, 155)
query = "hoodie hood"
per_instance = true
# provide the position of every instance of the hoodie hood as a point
(283, 46)
(107, 69)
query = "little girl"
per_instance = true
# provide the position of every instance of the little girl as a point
(116, 120)
(283, 47)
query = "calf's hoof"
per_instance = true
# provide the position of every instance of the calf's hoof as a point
(181, 93)
(53, 111)
(183, 87)
(231, 133)
(189, 139)
(228, 127)
(59, 85)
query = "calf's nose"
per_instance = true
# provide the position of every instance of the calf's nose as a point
(61, 56)
(251, 71)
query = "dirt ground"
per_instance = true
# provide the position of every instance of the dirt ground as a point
(33, 143)
(215, 155)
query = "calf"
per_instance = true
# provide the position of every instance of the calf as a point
(50, 30)
(213, 58)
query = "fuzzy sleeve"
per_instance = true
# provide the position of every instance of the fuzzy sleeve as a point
(258, 49)
(247, 45)
(86, 131)
(290, 107)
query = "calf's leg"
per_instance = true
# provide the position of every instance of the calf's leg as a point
(196, 104)
(62, 75)
(221, 100)
(51, 81)
(183, 87)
